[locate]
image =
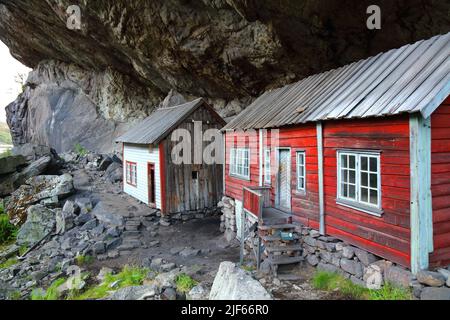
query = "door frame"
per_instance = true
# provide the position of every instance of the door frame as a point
(149, 165)
(277, 182)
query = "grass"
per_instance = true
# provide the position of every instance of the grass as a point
(5, 154)
(9, 263)
(334, 282)
(8, 231)
(248, 268)
(80, 150)
(129, 276)
(84, 260)
(51, 293)
(185, 283)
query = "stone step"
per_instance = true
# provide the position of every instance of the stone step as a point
(131, 234)
(284, 260)
(271, 249)
(276, 226)
(277, 237)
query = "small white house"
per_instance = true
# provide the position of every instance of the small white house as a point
(149, 173)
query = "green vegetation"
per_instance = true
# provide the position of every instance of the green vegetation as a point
(80, 150)
(5, 154)
(51, 293)
(334, 282)
(8, 231)
(129, 276)
(248, 268)
(84, 260)
(9, 263)
(185, 283)
(5, 136)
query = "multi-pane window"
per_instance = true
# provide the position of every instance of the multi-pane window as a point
(267, 166)
(240, 162)
(359, 178)
(131, 173)
(301, 172)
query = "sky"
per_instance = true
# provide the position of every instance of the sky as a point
(9, 88)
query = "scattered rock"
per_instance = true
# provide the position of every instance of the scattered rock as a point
(432, 293)
(188, 252)
(104, 211)
(103, 272)
(40, 221)
(169, 294)
(134, 293)
(430, 278)
(233, 283)
(398, 276)
(199, 292)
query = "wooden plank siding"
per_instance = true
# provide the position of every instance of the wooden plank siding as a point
(440, 184)
(389, 235)
(183, 192)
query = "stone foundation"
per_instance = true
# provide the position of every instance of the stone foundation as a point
(187, 215)
(228, 218)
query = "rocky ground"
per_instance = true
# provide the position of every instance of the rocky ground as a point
(82, 212)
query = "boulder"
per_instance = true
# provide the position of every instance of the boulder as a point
(430, 278)
(105, 163)
(365, 257)
(82, 180)
(135, 293)
(433, 293)
(353, 267)
(105, 212)
(114, 173)
(167, 279)
(36, 189)
(64, 221)
(199, 292)
(233, 283)
(32, 152)
(40, 221)
(373, 277)
(11, 164)
(398, 276)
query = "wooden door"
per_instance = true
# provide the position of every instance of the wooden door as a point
(151, 184)
(283, 180)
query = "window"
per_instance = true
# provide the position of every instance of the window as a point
(240, 162)
(359, 180)
(267, 177)
(131, 171)
(301, 172)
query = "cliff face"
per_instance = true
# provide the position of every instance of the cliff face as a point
(130, 53)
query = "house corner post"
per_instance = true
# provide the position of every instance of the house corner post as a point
(319, 130)
(421, 221)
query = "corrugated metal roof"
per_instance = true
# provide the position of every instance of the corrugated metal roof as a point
(160, 123)
(413, 78)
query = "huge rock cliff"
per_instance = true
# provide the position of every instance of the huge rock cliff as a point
(88, 85)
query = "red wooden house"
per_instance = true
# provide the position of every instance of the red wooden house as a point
(361, 153)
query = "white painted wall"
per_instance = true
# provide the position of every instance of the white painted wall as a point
(142, 155)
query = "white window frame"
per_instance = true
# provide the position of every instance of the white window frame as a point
(357, 202)
(301, 170)
(240, 163)
(267, 173)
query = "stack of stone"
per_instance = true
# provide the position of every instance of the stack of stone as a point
(228, 218)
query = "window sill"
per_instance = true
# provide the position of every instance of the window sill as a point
(360, 207)
(239, 177)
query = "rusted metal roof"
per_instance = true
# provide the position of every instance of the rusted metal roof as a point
(161, 122)
(413, 78)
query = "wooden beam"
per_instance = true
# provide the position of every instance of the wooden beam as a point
(162, 175)
(421, 205)
(319, 130)
(261, 158)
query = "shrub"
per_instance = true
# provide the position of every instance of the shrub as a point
(80, 150)
(8, 231)
(84, 260)
(185, 283)
(51, 293)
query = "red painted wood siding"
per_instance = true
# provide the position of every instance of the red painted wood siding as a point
(440, 183)
(389, 235)
(234, 186)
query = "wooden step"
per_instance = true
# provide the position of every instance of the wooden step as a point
(285, 260)
(276, 237)
(284, 248)
(276, 226)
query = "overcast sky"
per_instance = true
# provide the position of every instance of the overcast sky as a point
(9, 69)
